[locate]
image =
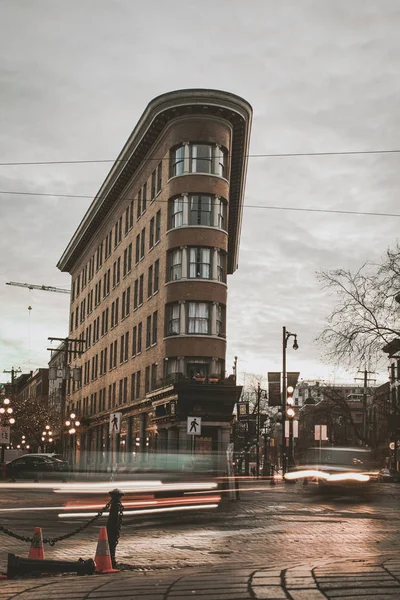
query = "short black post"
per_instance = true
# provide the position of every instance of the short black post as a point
(114, 522)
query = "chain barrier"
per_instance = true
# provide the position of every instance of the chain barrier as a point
(53, 541)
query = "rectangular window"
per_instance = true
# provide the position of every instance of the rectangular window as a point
(142, 243)
(118, 270)
(136, 295)
(137, 255)
(173, 320)
(147, 380)
(220, 266)
(176, 265)
(120, 397)
(120, 230)
(73, 292)
(126, 348)
(116, 311)
(153, 376)
(122, 350)
(152, 232)
(116, 235)
(158, 226)
(177, 213)
(129, 258)
(153, 184)
(144, 197)
(115, 353)
(198, 318)
(155, 325)
(133, 386)
(125, 267)
(139, 204)
(200, 212)
(141, 285)
(159, 177)
(139, 337)
(148, 332)
(138, 377)
(134, 341)
(150, 282)
(125, 392)
(123, 305)
(156, 276)
(177, 161)
(128, 301)
(219, 320)
(131, 215)
(126, 220)
(105, 360)
(220, 211)
(201, 158)
(200, 263)
(78, 285)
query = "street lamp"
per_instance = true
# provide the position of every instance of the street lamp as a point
(72, 423)
(286, 394)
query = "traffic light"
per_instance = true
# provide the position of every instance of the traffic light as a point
(289, 402)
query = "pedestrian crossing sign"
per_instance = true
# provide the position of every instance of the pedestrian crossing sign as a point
(194, 425)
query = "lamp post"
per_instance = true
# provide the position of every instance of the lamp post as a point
(72, 423)
(286, 335)
(6, 419)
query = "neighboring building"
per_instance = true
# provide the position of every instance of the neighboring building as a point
(33, 386)
(338, 406)
(149, 265)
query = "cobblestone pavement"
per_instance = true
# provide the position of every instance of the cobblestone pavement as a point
(356, 580)
(285, 523)
(270, 527)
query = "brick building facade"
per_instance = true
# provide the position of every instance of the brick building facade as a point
(149, 265)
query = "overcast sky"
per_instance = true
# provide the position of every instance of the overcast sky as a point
(321, 75)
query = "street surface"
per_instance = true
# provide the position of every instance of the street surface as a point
(278, 528)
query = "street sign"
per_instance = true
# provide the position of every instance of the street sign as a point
(194, 425)
(4, 435)
(274, 389)
(115, 422)
(320, 433)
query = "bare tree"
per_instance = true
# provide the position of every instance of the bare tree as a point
(366, 315)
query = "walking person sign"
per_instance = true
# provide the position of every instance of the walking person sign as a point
(194, 425)
(115, 422)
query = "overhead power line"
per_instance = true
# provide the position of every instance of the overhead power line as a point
(160, 158)
(255, 206)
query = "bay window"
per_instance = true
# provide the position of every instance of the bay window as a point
(200, 210)
(220, 266)
(178, 157)
(198, 318)
(177, 213)
(176, 265)
(173, 320)
(200, 263)
(201, 158)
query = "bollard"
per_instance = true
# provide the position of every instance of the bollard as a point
(23, 566)
(114, 523)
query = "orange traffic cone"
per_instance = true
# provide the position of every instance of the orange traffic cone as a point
(37, 550)
(103, 559)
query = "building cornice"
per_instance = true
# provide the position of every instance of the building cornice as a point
(158, 114)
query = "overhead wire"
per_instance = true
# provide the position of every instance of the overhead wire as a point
(252, 206)
(162, 158)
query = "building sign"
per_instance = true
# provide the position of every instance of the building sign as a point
(274, 389)
(115, 422)
(4, 435)
(242, 410)
(194, 425)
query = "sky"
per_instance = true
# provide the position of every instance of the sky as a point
(322, 76)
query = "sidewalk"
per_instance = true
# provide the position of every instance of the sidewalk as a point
(357, 579)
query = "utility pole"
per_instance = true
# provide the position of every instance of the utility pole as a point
(67, 351)
(365, 380)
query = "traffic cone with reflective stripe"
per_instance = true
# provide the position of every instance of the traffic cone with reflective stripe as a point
(103, 559)
(37, 550)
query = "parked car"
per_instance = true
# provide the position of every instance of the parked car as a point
(37, 466)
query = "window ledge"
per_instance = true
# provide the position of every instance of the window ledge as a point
(188, 173)
(213, 227)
